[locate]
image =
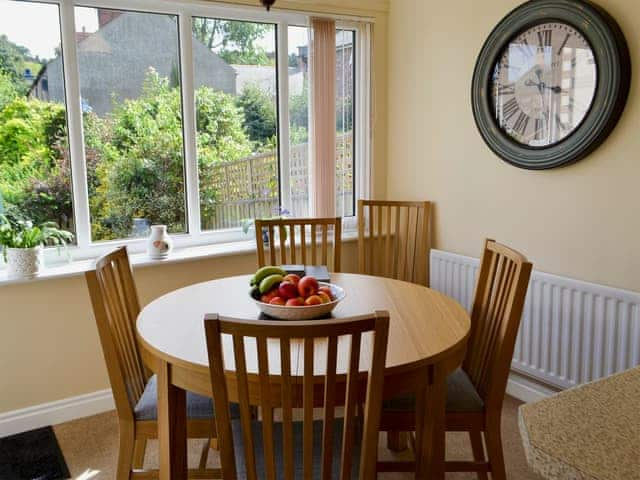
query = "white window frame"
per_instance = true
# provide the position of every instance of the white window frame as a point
(185, 10)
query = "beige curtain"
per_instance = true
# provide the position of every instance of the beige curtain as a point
(323, 117)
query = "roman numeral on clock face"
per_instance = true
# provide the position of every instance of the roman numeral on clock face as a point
(538, 129)
(521, 123)
(564, 43)
(509, 109)
(544, 39)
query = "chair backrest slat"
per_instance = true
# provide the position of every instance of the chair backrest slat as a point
(267, 408)
(394, 239)
(287, 408)
(244, 404)
(350, 407)
(307, 406)
(116, 307)
(299, 385)
(499, 298)
(329, 408)
(325, 242)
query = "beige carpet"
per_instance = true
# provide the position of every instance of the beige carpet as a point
(90, 448)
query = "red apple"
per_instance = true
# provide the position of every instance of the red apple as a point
(277, 301)
(325, 298)
(313, 300)
(270, 295)
(307, 286)
(295, 302)
(327, 291)
(287, 290)
(293, 278)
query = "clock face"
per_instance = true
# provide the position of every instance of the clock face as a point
(543, 84)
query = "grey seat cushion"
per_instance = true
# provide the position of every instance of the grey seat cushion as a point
(256, 427)
(461, 396)
(198, 407)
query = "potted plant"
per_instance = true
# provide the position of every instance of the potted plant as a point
(22, 245)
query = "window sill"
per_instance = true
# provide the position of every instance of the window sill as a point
(187, 254)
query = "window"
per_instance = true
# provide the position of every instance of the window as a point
(190, 115)
(345, 95)
(298, 105)
(236, 121)
(132, 117)
(35, 167)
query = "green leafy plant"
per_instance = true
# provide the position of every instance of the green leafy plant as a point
(24, 234)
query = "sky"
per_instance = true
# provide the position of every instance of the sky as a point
(37, 27)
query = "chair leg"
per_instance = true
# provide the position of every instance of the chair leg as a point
(139, 448)
(397, 441)
(493, 437)
(478, 451)
(125, 451)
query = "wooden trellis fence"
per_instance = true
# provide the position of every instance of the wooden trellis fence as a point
(248, 188)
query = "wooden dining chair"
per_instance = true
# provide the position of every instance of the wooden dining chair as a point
(300, 365)
(394, 239)
(116, 307)
(305, 241)
(475, 392)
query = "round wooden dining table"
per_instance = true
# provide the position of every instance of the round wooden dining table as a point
(428, 334)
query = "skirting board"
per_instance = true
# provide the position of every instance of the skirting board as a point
(89, 404)
(52, 413)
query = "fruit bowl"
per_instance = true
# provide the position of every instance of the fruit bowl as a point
(307, 312)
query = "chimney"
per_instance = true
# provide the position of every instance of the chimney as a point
(105, 16)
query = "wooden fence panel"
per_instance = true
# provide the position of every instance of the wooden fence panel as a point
(248, 188)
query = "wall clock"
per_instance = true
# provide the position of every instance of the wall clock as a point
(550, 83)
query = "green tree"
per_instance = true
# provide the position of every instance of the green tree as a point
(259, 115)
(135, 160)
(299, 116)
(34, 165)
(12, 62)
(7, 90)
(234, 41)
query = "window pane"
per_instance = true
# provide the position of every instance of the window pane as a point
(132, 111)
(35, 169)
(299, 120)
(345, 56)
(236, 121)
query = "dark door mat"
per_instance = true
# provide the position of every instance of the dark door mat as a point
(32, 455)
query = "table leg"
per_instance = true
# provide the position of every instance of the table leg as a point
(172, 427)
(430, 424)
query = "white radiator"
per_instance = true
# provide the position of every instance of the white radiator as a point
(572, 332)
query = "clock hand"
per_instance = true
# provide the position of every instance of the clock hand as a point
(556, 89)
(541, 85)
(531, 83)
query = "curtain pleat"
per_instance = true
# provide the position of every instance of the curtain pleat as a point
(323, 117)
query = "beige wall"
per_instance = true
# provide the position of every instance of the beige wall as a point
(580, 221)
(49, 348)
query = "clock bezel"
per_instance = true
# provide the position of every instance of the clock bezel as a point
(491, 84)
(613, 66)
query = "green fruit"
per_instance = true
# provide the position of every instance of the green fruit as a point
(254, 292)
(264, 272)
(252, 282)
(271, 281)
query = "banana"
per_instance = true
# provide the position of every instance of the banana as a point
(254, 292)
(264, 272)
(269, 282)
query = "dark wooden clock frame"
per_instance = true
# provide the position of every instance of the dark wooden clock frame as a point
(613, 80)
